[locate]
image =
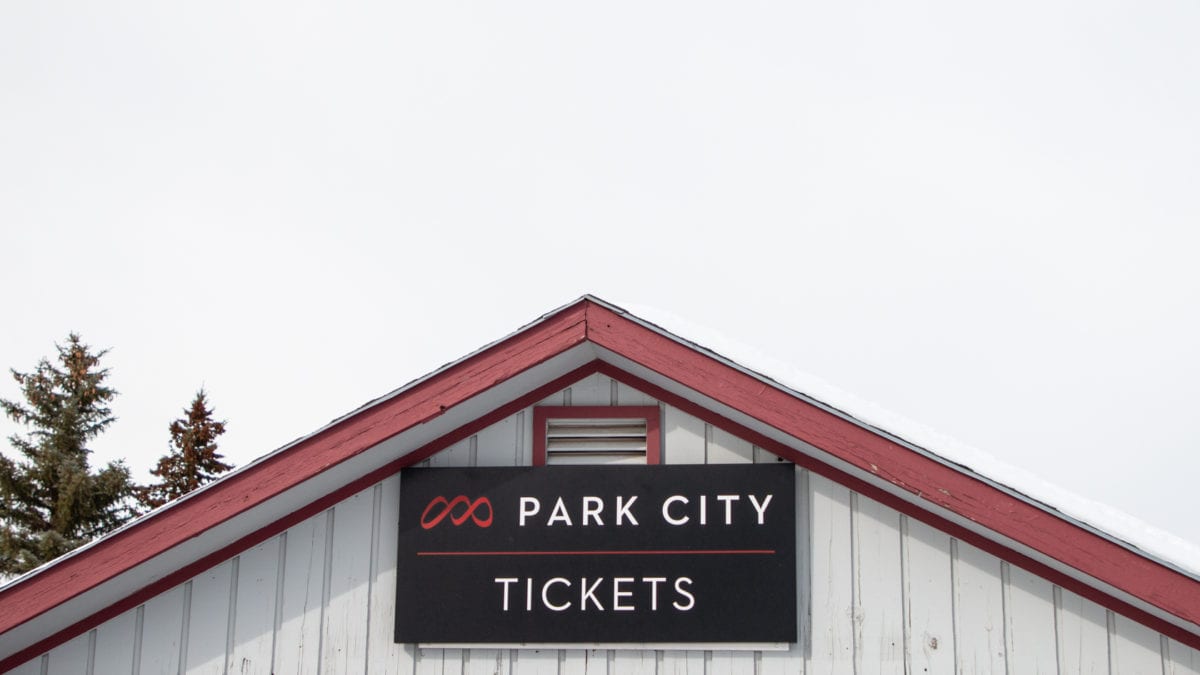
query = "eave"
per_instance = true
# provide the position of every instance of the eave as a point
(168, 546)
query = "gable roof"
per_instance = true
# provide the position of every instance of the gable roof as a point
(170, 545)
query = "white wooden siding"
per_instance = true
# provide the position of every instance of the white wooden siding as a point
(161, 634)
(879, 593)
(928, 591)
(254, 610)
(115, 644)
(207, 620)
(302, 568)
(1029, 622)
(878, 587)
(71, 656)
(1180, 659)
(1082, 635)
(978, 611)
(832, 589)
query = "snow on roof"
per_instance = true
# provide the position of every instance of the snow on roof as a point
(1158, 543)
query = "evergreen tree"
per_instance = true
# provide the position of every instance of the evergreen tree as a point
(193, 460)
(50, 501)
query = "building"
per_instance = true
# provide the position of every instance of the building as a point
(903, 562)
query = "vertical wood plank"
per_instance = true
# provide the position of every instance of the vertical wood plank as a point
(383, 654)
(162, 629)
(71, 657)
(1082, 635)
(725, 448)
(428, 661)
(978, 611)
(598, 661)
(878, 600)
(497, 444)
(928, 598)
(487, 662)
(458, 454)
(584, 661)
(1029, 618)
(627, 395)
(254, 610)
(729, 662)
(298, 640)
(832, 602)
(208, 622)
(690, 662)
(535, 662)
(452, 662)
(525, 438)
(1181, 659)
(344, 642)
(635, 662)
(114, 644)
(575, 662)
(683, 437)
(557, 398)
(762, 456)
(595, 389)
(1135, 649)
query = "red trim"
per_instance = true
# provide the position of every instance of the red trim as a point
(543, 414)
(930, 480)
(232, 495)
(307, 511)
(934, 482)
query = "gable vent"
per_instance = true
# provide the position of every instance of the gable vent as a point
(596, 435)
(571, 440)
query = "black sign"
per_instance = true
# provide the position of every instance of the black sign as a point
(597, 554)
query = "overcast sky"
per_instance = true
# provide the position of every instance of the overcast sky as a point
(979, 215)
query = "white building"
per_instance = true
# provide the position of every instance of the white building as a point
(905, 562)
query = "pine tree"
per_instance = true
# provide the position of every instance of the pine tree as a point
(193, 460)
(50, 501)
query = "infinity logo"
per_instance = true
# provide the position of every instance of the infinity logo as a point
(456, 519)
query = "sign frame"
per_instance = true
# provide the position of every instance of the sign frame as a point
(600, 556)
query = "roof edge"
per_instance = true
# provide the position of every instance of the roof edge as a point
(898, 439)
(416, 402)
(914, 470)
(875, 451)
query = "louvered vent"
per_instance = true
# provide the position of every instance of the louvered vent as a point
(594, 441)
(628, 434)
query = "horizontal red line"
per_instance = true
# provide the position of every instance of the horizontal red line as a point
(677, 552)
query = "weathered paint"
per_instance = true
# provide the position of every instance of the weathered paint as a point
(1029, 622)
(115, 644)
(278, 472)
(1179, 659)
(1096, 567)
(832, 589)
(978, 611)
(302, 568)
(1082, 635)
(880, 592)
(878, 589)
(928, 589)
(254, 610)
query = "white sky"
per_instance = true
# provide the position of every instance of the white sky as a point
(982, 217)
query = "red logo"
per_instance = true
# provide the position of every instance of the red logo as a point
(428, 521)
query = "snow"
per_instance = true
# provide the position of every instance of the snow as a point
(1165, 546)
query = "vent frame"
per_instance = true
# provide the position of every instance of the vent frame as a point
(543, 416)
